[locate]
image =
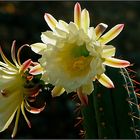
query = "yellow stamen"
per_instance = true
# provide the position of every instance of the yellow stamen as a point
(79, 64)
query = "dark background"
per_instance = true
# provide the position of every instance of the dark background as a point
(24, 22)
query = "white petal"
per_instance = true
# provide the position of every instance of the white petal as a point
(85, 20)
(62, 25)
(91, 33)
(8, 107)
(108, 51)
(73, 28)
(60, 32)
(8, 122)
(87, 88)
(38, 47)
(5, 82)
(47, 40)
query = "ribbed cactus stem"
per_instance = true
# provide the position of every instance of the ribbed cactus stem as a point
(112, 113)
(89, 117)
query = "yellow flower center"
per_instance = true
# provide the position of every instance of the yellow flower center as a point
(75, 60)
(79, 51)
(79, 64)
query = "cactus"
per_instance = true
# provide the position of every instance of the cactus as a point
(112, 113)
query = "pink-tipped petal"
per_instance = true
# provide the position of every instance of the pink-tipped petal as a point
(116, 63)
(85, 20)
(37, 69)
(77, 14)
(100, 28)
(57, 91)
(105, 81)
(83, 98)
(13, 53)
(25, 65)
(111, 34)
(34, 110)
(19, 51)
(51, 21)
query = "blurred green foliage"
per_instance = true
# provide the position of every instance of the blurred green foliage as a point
(24, 22)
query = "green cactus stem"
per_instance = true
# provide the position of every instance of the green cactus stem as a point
(112, 113)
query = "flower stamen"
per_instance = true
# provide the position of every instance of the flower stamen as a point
(79, 64)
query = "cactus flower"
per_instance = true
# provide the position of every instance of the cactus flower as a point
(75, 54)
(13, 93)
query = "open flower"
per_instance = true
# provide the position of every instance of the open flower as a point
(75, 54)
(14, 95)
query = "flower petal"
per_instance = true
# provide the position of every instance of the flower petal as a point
(13, 53)
(62, 25)
(7, 72)
(116, 63)
(111, 34)
(19, 51)
(105, 81)
(72, 28)
(45, 39)
(34, 110)
(16, 123)
(77, 14)
(6, 60)
(60, 32)
(100, 28)
(8, 108)
(36, 70)
(85, 20)
(25, 117)
(83, 98)
(25, 65)
(38, 47)
(8, 122)
(91, 33)
(51, 21)
(52, 35)
(57, 91)
(87, 88)
(108, 51)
